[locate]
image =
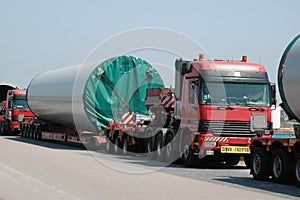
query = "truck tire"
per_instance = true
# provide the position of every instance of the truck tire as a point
(187, 155)
(282, 166)
(108, 145)
(38, 133)
(159, 147)
(31, 132)
(124, 146)
(34, 133)
(169, 149)
(297, 170)
(150, 146)
(116, 145)
(1, 128)
(21, 130)
(260, 164)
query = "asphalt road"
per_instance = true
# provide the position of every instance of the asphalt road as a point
(45, 170)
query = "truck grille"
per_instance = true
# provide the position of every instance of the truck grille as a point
(226, 128)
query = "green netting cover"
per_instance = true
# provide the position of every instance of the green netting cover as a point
(118, 85)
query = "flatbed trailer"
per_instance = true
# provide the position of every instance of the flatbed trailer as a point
(276, 156)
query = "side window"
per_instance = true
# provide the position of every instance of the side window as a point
(193, 91)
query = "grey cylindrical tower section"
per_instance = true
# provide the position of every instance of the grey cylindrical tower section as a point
(49, 95)
(89, 96)
(288, 79)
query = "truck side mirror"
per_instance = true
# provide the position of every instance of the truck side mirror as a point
(273, 96)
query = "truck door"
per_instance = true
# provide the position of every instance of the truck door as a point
(190, 103)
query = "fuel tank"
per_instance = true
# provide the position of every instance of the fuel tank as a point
(288, 79)
(90, 95)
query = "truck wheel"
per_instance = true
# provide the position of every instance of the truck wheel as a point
(125, 147)
(34, 133)
(26, 131)
(108, 145)
(232, 160)
(169, 149)
(116, 146)
(260, 164)
(1, 128)
(297, 170)
(187, 155)
(30, 132)
(38, 133)
(282, 165)
(159, 148)
(150, 147)
(21, 131)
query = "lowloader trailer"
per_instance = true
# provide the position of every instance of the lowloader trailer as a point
(75, 104)
(277, 155)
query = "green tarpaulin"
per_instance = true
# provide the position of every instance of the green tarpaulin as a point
(118, 85)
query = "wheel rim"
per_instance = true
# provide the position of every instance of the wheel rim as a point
(277, 166)
(297, 170)
(256, 164)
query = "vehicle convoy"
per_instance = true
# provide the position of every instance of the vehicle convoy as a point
(74, 104)
(278, 155)
(213, 112)
(14, 109)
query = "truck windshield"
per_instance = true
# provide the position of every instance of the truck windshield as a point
(20, 104)
(228, 93)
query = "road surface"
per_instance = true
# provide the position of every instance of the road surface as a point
(32, 169)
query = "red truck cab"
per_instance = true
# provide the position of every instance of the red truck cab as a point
(14, 110)
(218, 100)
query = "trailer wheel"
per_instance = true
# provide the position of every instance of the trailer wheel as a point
(297, 170)
(1, 128)
(159, 147)
(187, 155)
(25, 129)
(282, 165)
(34, 133)
(21, 130)
(150, 146)
(169, 148)
(116, 146)
(125, 147)
(38, 133)
(260, 164)
(108, 145)
(31, 132)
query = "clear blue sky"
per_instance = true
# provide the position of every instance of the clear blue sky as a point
(37, 36)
